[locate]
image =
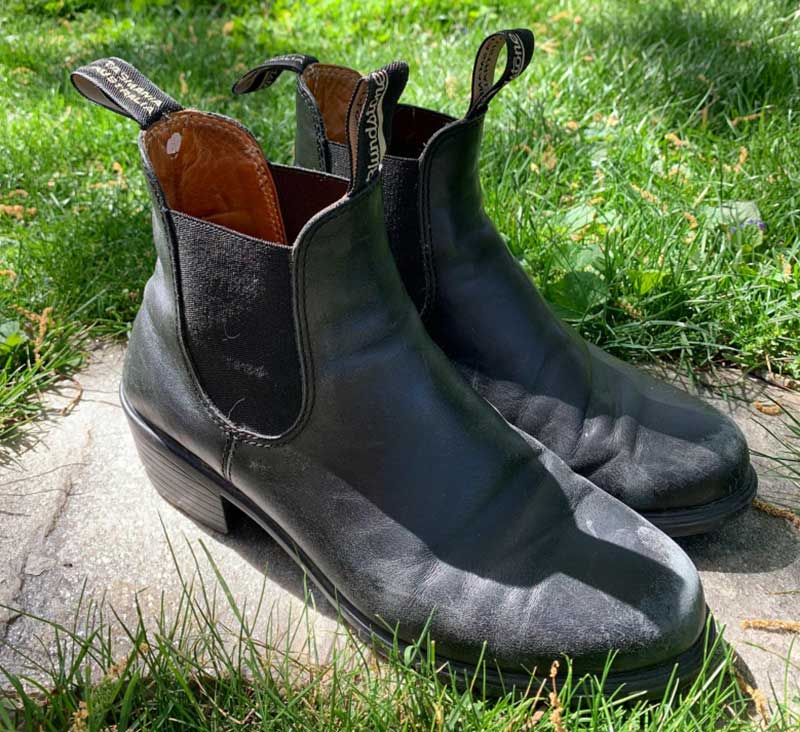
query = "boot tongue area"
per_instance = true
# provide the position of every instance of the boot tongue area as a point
(212, 169)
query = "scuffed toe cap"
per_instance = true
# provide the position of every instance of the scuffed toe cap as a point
(601, 580)
(643, 595)
(668, 449)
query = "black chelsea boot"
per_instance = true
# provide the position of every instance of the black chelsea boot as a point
(278, 367)
(674, 459)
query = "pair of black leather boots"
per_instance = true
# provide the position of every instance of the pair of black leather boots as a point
(347, 352)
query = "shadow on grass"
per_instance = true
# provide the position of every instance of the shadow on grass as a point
(706, 56)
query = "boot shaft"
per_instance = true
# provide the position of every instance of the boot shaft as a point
(432, 193)
(228, 314)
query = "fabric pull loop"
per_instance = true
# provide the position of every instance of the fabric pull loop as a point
(369, 121)
(116, 85)
(266, 73)
(519, 45)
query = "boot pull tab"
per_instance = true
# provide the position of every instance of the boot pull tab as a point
(369, 121)
(116, 85)
(266, 73)
(519, 51)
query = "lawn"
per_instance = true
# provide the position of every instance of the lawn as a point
(644, 170)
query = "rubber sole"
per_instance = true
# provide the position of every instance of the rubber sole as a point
(198, 491)
(707, 517)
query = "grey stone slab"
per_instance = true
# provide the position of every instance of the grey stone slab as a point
(77, 515)
(751, 567)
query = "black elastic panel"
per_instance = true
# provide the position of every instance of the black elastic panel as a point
(402, 216)
(340, 159)
(237, 299)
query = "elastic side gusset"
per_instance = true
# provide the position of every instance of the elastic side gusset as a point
(237, 303)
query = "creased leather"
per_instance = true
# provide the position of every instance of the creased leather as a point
(413, 496)
(645, 442)
(405, 488)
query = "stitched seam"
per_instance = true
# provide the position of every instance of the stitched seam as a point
(319, 127)
(344, 79)
(224, 457)
(307, 353)
(188, 363)
(304, 346)
(234, 444)
(427, 246)
(172, 242)
(321, 71)
(205, 400)
(230, 447)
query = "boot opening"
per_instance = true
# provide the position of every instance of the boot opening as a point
(412, 129)
(212, 169)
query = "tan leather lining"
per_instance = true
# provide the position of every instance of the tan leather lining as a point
(332, 87)
(212, 169)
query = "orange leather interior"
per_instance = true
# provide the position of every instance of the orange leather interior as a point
(212, 169)
(332, 87)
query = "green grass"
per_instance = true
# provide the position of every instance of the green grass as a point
(784, 459)
(186, 669)
(623, 167)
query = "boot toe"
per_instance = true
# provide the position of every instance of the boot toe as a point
(668, 449)
(601, 580)
(636, 593)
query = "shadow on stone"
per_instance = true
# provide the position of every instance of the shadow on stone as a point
(750, 544)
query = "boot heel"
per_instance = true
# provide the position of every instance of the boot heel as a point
(176, 479)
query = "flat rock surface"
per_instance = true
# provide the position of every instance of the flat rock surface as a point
(79, 518)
